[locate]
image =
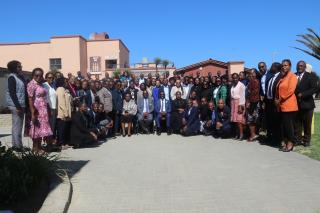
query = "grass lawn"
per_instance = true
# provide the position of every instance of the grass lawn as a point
(314, 150)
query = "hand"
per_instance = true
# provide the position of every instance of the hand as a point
(277, 102)
(248, 105)
(300, 95)
(33, 118)
(209, 123)
(180, 110)
(240, 110)
(19, 110)
(94, 135)
(261, 98)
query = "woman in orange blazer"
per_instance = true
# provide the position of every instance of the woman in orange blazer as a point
(286, 102)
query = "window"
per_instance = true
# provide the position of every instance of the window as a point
(55, 63)
(95, 65)
(111, 64)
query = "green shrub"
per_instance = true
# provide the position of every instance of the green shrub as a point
(21, 173)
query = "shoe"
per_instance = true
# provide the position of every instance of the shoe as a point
(306, 144)
(288, 150)
(169, 132)
(158, 131)
(241, 138)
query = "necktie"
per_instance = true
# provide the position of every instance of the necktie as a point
(162, 105)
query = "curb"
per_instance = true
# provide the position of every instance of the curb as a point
(58, 199)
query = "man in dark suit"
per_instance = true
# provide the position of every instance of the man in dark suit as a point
(145, 112)
(192, 119)
(163, 110)
(272, 114)
(305, 90)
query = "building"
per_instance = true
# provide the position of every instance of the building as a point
(69, 54)
(147, 67)
(212, 66)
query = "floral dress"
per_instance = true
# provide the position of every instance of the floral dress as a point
(40, 128)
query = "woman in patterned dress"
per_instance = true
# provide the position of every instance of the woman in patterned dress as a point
(39, 124)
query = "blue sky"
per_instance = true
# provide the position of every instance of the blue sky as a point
(182, 31)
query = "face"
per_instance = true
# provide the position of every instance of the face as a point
(50, 78)
(178, 83)
(153, 83)
(197, 81)
(118, 85)
(38, 76)
(253, 75)
(19, 68)
(221, 104)
(262, 67)
(84, 85)
(205, 85)
(83, 108)
(78, 84)
(131, 85)
(241, 76)
(218, 81)
(127, 97)
(286, 67)
(194, 103)
(301, 66)
(158, 84)
(204, 101)
(97, 85)
(95, 108)
(165, 82)
(235, 79)
(101, 108)
(211, 106)
(178, 95)
(162, 95)
(58, 75)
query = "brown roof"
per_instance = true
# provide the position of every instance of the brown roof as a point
(203, 63)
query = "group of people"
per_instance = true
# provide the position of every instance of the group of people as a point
(75, 111)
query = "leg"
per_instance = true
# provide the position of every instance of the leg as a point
(123, 128)
(298, 127)
(17, 124)
(240, 127)
(307, 123)
(129, 128)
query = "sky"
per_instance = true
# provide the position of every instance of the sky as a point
(184, 32)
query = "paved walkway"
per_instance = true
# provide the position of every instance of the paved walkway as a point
(198, 174)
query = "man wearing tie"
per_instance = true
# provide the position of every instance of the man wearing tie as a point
(163, 110)
(305, 89)
(145, 111)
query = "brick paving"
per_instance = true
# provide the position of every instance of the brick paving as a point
(196, 174)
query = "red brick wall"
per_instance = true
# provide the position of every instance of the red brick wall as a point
(205, 70)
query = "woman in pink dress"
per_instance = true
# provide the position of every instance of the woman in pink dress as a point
(39, 124)
(238, 100)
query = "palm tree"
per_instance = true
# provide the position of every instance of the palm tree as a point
(165, 63)
(157, 61)
(312, 41)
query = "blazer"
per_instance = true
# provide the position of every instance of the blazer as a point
(307, 87)
(141, 104)
(64, 100)
(105, 97)
(286, 93)
(223, 116)
(158, 105)
(193, 121)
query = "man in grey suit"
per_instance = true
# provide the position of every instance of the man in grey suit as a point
(105, 97)
(145, 112)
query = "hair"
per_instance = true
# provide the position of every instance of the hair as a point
(286, 60)
(60, 82)
(235, 74)
(37, 69)
(262, 62)
(277, 66)
(49, 73)
(13, 65)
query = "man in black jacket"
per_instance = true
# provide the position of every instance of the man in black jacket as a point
(305, 90)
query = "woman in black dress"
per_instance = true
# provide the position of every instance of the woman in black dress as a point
(179, 106)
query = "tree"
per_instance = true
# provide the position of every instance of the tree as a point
(165, 63)
(157, 61)
(312, 41)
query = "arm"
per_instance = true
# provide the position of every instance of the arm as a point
(242, 92)
(312, 87)
(12, 92)
(223, 93)
(62, 102)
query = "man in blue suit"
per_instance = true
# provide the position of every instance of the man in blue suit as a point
(163, 110)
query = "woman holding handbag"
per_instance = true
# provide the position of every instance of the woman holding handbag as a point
(39, 124)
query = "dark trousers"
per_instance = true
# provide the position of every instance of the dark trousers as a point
(223, 132)
(158, 120)
(288, 119)
(303, 120)
(63, 130)
(273, 123)
(116, 119)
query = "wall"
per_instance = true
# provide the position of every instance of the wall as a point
(107, 50)
(206, 69)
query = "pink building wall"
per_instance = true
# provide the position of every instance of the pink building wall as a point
(74, 51)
